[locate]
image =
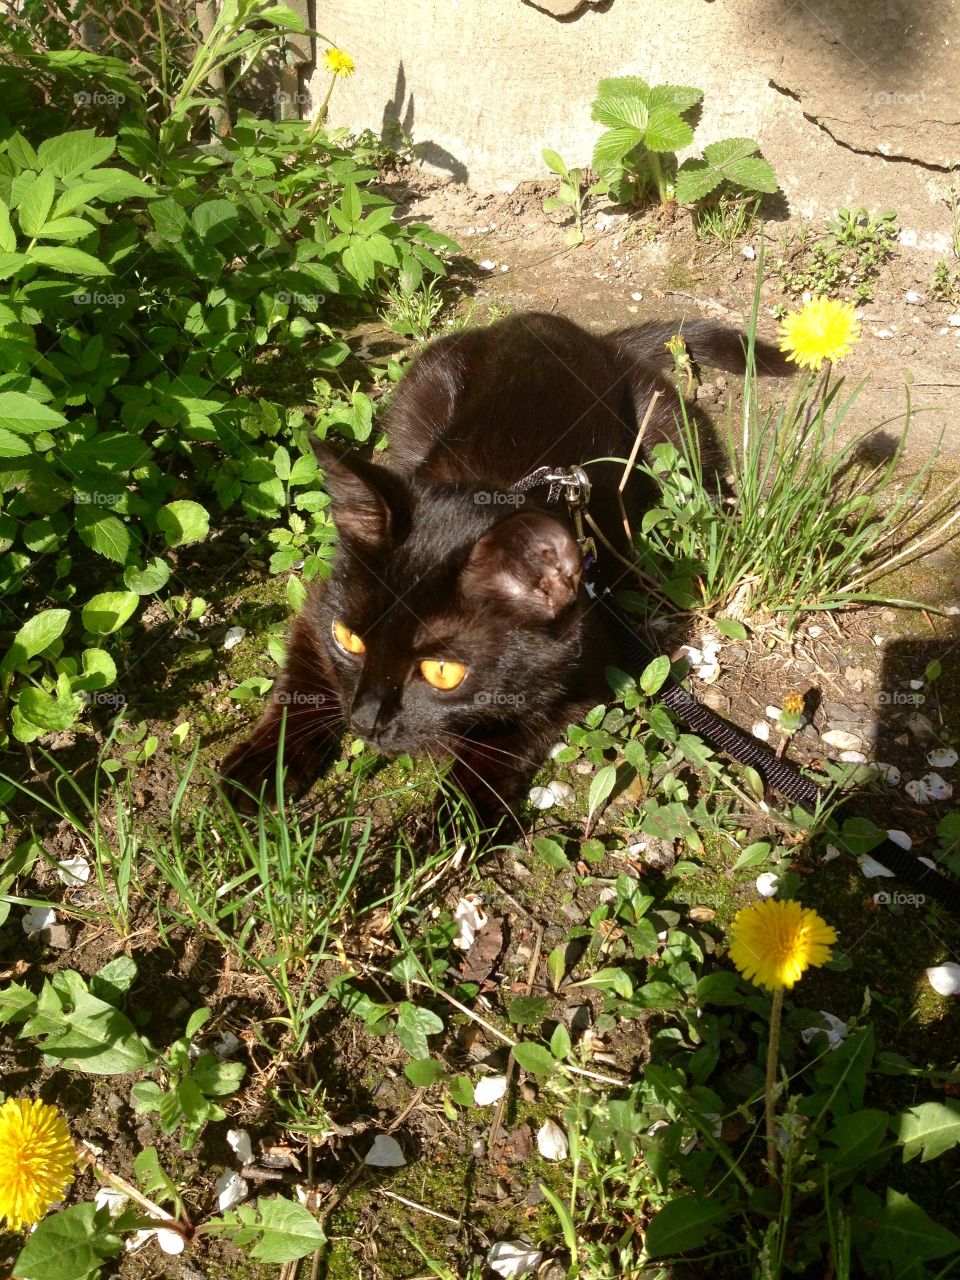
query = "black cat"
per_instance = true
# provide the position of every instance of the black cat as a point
(455, 623)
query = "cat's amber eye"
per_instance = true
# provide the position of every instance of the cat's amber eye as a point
(442, 674)
(348, 640)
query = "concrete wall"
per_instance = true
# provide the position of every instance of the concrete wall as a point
(855, 103)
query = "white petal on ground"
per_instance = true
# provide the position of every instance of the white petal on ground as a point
(470, 918)
(108, 1198)
(238, 1140)
(231, 1189)
(36, 918)
(929, 788)
(556, 749)
(542, 798)
(945, 978)
(942, 758)
(889, 773)
(895, 836)
(916, 684)
(563, 791)
(694, 656)
(815, 632)
(486, 264)
(513, 1258)
(836, 1030)
(840, 739)
(709, 673)
(927, 862)
(871, 868)
(760, 729)
(226, 1045)
(772, 713)
(385, 1153)
(767, 884)
(233, 637)
(74, 871)
(169, 1241)
(552, 1141)
(852, 757)
(489, 1089)
(831, 852)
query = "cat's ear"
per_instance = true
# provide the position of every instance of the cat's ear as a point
(370, 504)
(529, 562)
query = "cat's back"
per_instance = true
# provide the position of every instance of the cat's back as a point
(492, 403)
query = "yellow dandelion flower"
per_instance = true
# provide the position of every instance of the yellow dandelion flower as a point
(793, 704)
(36, 1160)
(822, 330)
(339, 62)
(774, 942)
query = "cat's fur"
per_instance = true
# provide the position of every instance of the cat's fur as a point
(437, 557)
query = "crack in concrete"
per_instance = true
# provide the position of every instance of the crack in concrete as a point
(873, 152)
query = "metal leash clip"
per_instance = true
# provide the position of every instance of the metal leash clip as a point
(575, 485)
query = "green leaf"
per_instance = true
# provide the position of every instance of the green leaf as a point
(930, 1128)
(99, 671)
(678, 97)
(732, 628)
(753, 855)
(528, 1009)
(8, 237)
(551, 852)
(215, 1078)
(72, 262)
(26, 415)
(425, 1072)
(215, 220)
(287, 1230)
(66, 229)
(601, 786)
(695, 179)
(534, 1058)
(153, 577)
(114, 980)
(72, 154)
(36, 203)
(85, 1033)
(414, 1024)
(684, 1223)
(183, 522)
(857, 1136)
(897, 1231)
(460, 1089)
(107, 535)
(36, 634)
(560, 1045)
(611, 148)
(107, 612)
(754, 174)
(69, 1245)
(551, 159)
(667, 131)
(350, 202)
(12, 446)
(654, 674)
(620, 111)
(51, 714)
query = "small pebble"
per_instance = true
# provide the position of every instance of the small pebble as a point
(912, 297)
(749, 252)
(841, 740)
(877, 333)
(853, 757)
(954, 320)
(760, 729)
(815, 632)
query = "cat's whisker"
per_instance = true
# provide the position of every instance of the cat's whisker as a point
(489, 786)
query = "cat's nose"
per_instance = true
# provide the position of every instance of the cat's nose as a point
(364, 715)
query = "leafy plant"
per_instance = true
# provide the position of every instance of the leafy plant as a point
(845, 261)
(193, 1080)
(570, 196)
(140, 316)
(646, 126)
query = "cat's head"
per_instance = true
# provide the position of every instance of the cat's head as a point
(450, 608)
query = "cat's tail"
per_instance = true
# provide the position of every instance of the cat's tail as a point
(708, 343)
